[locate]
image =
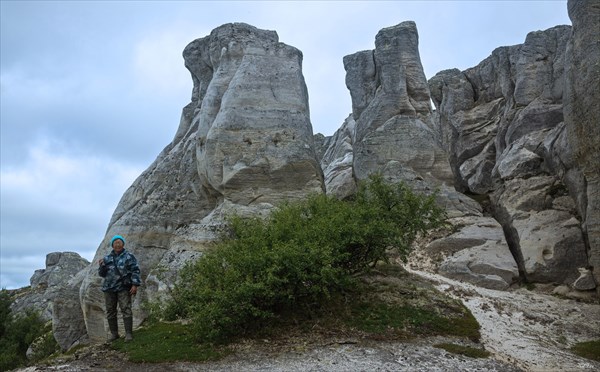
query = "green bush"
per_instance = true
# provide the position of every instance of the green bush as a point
(17, 333)
(395, 215)
(297, 257)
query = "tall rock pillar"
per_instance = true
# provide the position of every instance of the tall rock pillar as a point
(391, 107)
(582, 114)
(244, 144)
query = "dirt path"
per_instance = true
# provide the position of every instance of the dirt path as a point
(530, 330)
(338, 357)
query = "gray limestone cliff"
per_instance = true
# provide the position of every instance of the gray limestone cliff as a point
(392, 130)
(511, 148)
(508, 125)
(244, 144)
(582, 120)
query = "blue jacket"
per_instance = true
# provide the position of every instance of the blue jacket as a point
(119, 272)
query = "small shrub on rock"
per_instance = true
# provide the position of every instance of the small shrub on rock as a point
(297, 257)
(17, 333)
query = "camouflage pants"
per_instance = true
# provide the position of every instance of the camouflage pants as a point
(123, 299)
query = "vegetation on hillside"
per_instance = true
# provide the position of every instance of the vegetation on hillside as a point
(18, 332)
(304, 255)
(588, 349)
(386, 304)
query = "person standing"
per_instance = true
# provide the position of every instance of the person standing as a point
(121, 275)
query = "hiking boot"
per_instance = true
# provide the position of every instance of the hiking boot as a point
(128, 322)
(114, 330)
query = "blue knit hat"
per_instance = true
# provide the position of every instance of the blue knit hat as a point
(115, 238)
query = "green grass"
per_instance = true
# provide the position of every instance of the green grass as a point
(387, 305)
(166, 342)
(589, 349)
(463, 350)
(393, 302)
(381, 318)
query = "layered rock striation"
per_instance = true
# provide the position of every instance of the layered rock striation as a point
(511, 148)
(392, 131)
(503, 125)
(581, 164)
(244, 144)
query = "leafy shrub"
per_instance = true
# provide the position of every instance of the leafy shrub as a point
(297, 257)
(17, 333)
(396, 215)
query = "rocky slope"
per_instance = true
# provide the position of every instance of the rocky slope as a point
(524, 330)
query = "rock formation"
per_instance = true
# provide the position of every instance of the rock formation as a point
(392, 130)
(244, 144)
(391, 107)
(502, 123)
(582, 120)
(46, 283)
(337, 161)
(53, 286)
(512, 149)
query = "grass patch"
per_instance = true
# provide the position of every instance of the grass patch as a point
(468, 351)
(394, 302)
(388, 304)
(589, 349)
(406, 321)
(166, 342)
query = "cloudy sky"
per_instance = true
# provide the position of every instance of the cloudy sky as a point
(91, 92)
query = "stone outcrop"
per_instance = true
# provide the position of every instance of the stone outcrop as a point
(392, 130)
(244, 144)
(54, 294)
(46, 283)
(582, 118)
(512, 150)
(391, 107)
(68, 323)
(477, 252)
(337, 161)
(502, 123)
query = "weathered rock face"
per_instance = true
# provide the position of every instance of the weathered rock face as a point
(391, 107)
(502, 123)
(391, 127)
(54, 285)
(244, 144)
(46, 283)
(392, 131)
(518, 131)
(68, 323)
(582, 116)
(477, 252)
(337, 161)
(254, 142)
